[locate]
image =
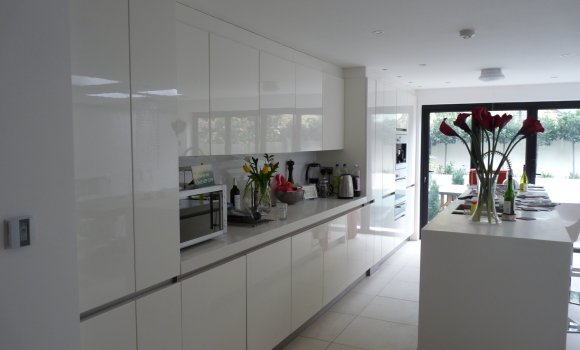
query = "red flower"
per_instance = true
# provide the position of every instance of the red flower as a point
(483, 118)
(460, 122)
(446, 129)
(504, 119)
(530, 127)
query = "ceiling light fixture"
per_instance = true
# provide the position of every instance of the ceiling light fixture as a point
(467, 33)
(378, 32)
(491, 74)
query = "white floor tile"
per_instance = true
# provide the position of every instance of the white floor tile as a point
(373, 284)
(393, 310)
(368, 333)
(408, 274)
(302, 343)
(328, 326)
(401, 290)
(352, 303)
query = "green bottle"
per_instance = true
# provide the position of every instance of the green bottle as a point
(509, 197)
(524, 181)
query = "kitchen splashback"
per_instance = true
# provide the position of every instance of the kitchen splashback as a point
(225, 168)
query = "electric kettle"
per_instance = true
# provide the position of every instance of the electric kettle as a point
(346, 187)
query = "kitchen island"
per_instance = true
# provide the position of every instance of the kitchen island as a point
(494, 286)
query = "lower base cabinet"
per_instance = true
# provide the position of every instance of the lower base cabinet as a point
(112, 330)
(335, 259)
(214, 308)
(269, 295)
(159, 320)
(307, 274)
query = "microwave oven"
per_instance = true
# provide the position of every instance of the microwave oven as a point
(202, 214)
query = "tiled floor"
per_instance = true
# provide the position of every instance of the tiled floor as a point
(381, 312)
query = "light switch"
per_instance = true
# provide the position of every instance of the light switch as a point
(19, 231)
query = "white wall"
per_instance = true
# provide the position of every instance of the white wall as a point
(38, 286)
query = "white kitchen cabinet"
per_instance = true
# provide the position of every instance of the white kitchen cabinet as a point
(359, 244)
(269, 295)
(308, 109)
(307, 274)
(234, 97)
(154, 112)
(335, 259)
(192, 126)
(102, 151)
(332, 113)
(277, 103)
(113, 330)
(214, 308)
(159, 320)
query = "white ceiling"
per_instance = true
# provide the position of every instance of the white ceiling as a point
(533, 41)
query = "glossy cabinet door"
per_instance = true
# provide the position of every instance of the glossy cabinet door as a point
(332, 113)
(277, 103)
(214, 308)
(335, 259)
(308, 109)
(192, 126)
(269, 295)
(307, 274)
(234, 97)
(359, 244)
(112, 330)
(102, 151)
(159, 319)
(155, 169)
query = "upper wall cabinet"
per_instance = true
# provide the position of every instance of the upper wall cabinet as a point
(192, 125)
(102, 151)
(154, 114)
(277, 103)
(308, 109)
(333, 113)
(234, 106)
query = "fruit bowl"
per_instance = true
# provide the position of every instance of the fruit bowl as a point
(290, 197)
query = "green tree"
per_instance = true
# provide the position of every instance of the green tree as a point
(551, 132)
(507, 133)
(436, 137)
(433, 205)
(569, 130)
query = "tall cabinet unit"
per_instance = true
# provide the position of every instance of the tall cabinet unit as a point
(234, 97)
(332, 112)
(192, 126)
(102, 151)
(277, 103)
(308, 109)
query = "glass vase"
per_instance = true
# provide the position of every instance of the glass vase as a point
(263, 199)
(485, 207)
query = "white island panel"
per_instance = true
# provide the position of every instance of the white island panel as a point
(487, 286)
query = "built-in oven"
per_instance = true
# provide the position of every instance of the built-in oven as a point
(401, 151)
(202, 214)
(400, 193)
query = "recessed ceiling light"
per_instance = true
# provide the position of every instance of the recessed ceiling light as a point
(422, 64)
(467, 33)
(385, 68)
(447, 82)
(399, 76)
(565, 55)
(554, 77)
(410, 82)
(378, 32)
(419, 86)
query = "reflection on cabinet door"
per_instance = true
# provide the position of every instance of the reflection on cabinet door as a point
(159, 320)
(102, 151)
(234, 95)
(359, 244)
(269, 295)
(333, 113)
(277, 99)
(308, 109)
(335, 259)
(307, 274)
(192, 126)
(113, 330)
(214, 308)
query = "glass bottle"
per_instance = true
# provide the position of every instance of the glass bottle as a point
(356, 180)
(335, 177)
(235, 198)
(509, 198)
(524, 181)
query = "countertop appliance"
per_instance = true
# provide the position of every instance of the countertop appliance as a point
(312, 173)
(346, 187)
(202, 214)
